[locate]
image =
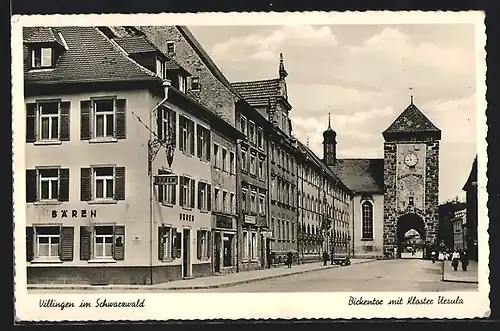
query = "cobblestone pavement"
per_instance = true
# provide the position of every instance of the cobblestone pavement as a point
(388, 275)
(469, 276)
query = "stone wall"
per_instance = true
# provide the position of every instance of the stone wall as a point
(432, 191)
(390, 213)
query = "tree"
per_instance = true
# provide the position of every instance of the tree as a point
(446, 214)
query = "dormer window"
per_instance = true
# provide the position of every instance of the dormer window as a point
(42, 57)
(161, 68)
(195, 83)
(182, 84)
(170, 47)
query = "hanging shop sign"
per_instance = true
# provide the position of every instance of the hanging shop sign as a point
(249, 219)
(165, 179)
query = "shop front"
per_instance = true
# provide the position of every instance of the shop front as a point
(224, 244)
(251, 244)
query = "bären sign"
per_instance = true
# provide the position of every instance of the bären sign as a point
(165, 180)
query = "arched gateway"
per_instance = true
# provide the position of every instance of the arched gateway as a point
(411, 180)
(410, 236)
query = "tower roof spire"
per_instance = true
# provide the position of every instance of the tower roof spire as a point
(411, 95)
(282, 71)
(329, 124)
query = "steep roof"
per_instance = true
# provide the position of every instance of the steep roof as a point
(44, 35)
(90, 57)
(361, 175)
(259, 93)
(472, 176)
(411, 120)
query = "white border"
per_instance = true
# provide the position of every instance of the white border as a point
(171, 305)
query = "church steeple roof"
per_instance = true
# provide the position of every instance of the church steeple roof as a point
(412, 121)
(329, 134)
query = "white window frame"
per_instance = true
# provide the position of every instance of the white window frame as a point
(225, 201)
(243, 124)
(204, 244)
(253, 201)
(253, 163)
(244, 159)
(167, 242)
(105, 244)
(232, 162)
(187, 131)
(260, 139)
(43, 59)
(224, 160)
(50, 117)
(105, 179)
(203, 195)
(169, 44)
(217, 197)
(262, 203)
(260, 167)
(182, 83)
(49, 179)
(186, 187)
(161, 68)
(105, 114)
(50, 244)
(251, 131)
(216, 155)
(233, 202)
(244, 199)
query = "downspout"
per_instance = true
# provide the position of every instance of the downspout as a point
(166, 85)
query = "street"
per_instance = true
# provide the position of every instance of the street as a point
(385, 275)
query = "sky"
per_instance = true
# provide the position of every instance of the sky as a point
(362, 75)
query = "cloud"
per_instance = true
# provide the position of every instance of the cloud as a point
(266, 47)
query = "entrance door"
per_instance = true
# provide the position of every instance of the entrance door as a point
(186, 263)
(227, 245)
(217, 252)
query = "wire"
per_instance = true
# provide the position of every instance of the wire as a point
(144, 124)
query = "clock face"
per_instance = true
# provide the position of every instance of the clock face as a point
(411, 160)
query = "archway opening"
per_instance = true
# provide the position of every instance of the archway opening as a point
(411, 237)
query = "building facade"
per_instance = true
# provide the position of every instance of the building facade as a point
(470, 189)
(458, 224)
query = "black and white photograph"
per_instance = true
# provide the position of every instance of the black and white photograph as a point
(274, 160)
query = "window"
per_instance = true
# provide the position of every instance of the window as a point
(367, 214)
(233, 203)
(103, 242)
(170, 47)
(182, 84)
(253, 202)
(232, 163)
(167, 125)
(104, 118)
(253, 164)
(292, 231)
(254, 246)
(411, 201)
(203, 245)
(224, 160)
(49, 120)
(262, 204)
(260, 139)
(217, 199)
(167, 194)
(42, 57)
(203, 195)
(186, 192)
(103, 183)
(246, 245)
(195, 83)
(47, 241)
(203, 143)
(216, 156)
(251, 132)
(161, 68)
(49, 184)
(186, 139)
(225, 202)
(272, 152)
(261, 168)
(165, 242)
(243, 124)
(244, 164)
(244, 200)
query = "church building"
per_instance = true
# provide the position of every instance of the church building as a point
(396, 193)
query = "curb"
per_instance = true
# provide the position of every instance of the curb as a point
(177, 288)
(460, 281)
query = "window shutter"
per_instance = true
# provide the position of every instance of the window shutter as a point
(85, 187)
(30, 185)
(85, 128)
(120, 183)
(199, 133)
(209, 197)
(209, 144)
(119, 250)
(160, 193)
(161, 247)
(199, 195)
(174, 194)
(121, 115)
(198, 244)
(209, 244)
(173, 253)
(159, 122)
(85, 242)
(193, 193)
(63, 184)
(65, 123)
(181, 191)
(173, 118)
(182, 121)
(30, 122)
(29, 243)
(66, 245)
(191, 135)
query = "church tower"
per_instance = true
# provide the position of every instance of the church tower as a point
(411, 179)
(329, 145)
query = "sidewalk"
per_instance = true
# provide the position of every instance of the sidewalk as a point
(459, 276)
(205, 282)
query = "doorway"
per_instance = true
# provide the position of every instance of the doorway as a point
(227, 243)
(186, 263)
(410, 237)
(217, 252)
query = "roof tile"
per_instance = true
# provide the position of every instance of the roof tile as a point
(361, 175)
(411, 120)
(259, 93)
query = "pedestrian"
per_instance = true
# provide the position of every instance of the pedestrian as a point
(289, 258)
(325, 257)
(441, 256)
(465, 261)
(269, 258)
(433, 256)
(455, 259)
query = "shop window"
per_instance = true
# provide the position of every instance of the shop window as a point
(49, 243)
(246, 245)
(253, 247)
(203, 244)
(165, 243)
(102, 242)
(186, 138)
(227, 246)
(47, 121)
